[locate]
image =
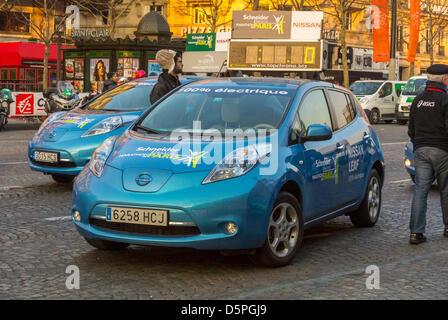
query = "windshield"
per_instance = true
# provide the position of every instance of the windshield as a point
(414, 87)
(220, 108)
(131, 96)
(65, 89)
(365, 88)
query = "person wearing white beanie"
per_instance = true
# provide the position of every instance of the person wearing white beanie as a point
(171, 63)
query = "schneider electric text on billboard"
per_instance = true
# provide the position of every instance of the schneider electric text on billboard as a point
(293, 25)
(276, 41)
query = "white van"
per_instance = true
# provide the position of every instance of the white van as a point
(378, 98)
(413, 87)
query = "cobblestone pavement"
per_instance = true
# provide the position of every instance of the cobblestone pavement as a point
(38, 242)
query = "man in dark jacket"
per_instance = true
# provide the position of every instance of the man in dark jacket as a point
(171, 63)
(428, 130)
(111, 81)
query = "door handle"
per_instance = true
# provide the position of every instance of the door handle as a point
(366, 136)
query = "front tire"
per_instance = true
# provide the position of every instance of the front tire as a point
(368, 213)
(106, 245)
(402, 122)
(284, 234)
(63, 178)
(374, 116)
(2, 121)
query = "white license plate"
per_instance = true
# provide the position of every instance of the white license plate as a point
(137, 216)
(42, 156)
(406, 114)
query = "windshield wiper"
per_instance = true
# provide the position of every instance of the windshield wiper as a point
(147, 130)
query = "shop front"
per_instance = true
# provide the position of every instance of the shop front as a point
(88, 64)
(22, 71)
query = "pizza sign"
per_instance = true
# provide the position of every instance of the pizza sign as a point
(24, 104)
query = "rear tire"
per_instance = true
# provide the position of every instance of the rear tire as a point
(368, 213)
(284, 234)
(402, 122)
(63, 178)
(106, 245)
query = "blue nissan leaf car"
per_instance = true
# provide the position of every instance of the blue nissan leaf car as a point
(66, 140)
(236, 163)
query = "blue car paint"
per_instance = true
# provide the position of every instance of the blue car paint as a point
(68, 141)
(409, 154)
(246, 200)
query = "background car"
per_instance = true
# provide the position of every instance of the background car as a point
(409, 160)
(320, 159)
(413, 87)
(66, 140)
(378, 98)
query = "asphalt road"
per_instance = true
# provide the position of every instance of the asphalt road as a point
(39, 241)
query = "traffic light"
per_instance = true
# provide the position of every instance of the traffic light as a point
(349, 55)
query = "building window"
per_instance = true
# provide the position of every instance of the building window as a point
(348, 20)
(199, 16)
(155, 8)
(14, 22)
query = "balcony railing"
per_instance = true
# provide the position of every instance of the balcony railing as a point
(22, 85)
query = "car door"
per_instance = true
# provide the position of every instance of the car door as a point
(353, 135)
(386, 101)
(316, 159)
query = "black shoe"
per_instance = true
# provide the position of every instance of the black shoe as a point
(445, 233)
(417, 238)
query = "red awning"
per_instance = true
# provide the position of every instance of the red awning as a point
(12, 54)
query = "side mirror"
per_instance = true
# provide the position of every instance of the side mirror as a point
(381, 94)
(317, 132)
(398, 92)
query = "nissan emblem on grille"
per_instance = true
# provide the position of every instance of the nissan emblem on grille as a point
(143, 179)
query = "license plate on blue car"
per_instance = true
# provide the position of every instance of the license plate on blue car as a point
(150, 217)
(44, 156)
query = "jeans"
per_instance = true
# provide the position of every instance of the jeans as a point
(429, 162)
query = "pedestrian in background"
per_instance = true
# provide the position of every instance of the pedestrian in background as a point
(428, 130)
(171, 63)
(111, 82)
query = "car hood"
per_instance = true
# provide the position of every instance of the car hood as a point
(78, 120)
(156, 152)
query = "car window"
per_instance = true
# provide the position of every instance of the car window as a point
(342, 108)
(312, 110)
(129, 96)
(386, 90)
(220, 108)
(364, 88)
(414, 87)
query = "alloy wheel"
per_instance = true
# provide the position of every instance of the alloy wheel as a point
(374, 198)
(283, 229)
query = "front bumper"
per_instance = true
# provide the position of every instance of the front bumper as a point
(74, 152)
(197, 213)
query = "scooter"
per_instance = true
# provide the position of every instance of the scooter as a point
(61, 98)
(5, 101)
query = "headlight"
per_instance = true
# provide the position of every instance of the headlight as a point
(238, 162)
(55, 116)
(364, 100)
(104, 126)
(99, 157)
(5, 104)
(408, 163)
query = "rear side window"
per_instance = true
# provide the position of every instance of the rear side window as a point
(343, 108)
(313, 110)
